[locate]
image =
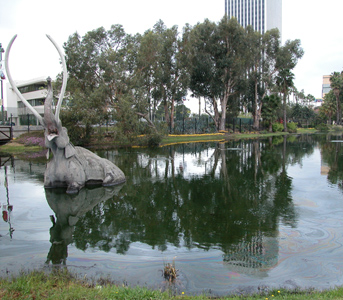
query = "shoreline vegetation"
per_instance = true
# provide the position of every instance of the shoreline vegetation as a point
(33, 142)
(61, 284)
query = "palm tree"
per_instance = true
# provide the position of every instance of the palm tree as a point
(269, 109)
(285, 81)
(328, 107)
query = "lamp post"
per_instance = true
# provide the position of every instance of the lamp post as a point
(2, 77)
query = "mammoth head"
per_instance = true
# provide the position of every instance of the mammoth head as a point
(56, 135)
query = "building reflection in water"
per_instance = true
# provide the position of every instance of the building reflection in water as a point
(255, 256)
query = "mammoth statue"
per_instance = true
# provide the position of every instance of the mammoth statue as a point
(70, 167)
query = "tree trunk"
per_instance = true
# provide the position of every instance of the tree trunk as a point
(172, 114)
(216, 113)
(166, 111)
(338, 106)
(146, 117)
(223, 103)
(199, 108)
(285, 111)
(339, 112)
(256, 125)
(270, 127)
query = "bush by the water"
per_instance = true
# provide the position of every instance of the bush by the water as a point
(292, 127)
(276, 127)
(322, 127)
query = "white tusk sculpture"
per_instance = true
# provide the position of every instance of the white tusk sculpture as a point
(71, 167)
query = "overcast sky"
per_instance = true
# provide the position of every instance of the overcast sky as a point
(316, 23)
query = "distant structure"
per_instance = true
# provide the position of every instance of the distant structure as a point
(262, 15)
(326, 85)
(34, 91)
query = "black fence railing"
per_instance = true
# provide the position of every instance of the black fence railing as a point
(239, 124)
(206, 125)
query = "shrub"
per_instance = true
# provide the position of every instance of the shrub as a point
(322, 127)
(154, 140)
(292, 127)
(337, 127)
(151, 140)
(277, 127)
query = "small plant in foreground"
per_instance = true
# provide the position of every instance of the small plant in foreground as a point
(170, 272)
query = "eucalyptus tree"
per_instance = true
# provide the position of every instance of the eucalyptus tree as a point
(255, 88)
(99, 70)
(218, 64)
(336, 82)
(286, 60)
(162, 69)
(172, 77)
(262, 53)
(147, 68)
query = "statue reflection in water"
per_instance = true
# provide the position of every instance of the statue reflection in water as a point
(68, 209)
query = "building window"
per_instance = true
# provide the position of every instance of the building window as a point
(32, 88)
(27, 119)
(32, 102)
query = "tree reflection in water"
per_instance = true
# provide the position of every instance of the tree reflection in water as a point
(227, 196)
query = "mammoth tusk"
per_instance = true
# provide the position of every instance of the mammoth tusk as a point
(21, 97)
(64, 82)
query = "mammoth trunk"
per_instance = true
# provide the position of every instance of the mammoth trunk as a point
(49, 118)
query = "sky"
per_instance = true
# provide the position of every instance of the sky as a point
(316, 23)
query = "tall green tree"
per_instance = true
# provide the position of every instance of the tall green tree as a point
(262, 54)
(287, 58)
(255, 87)
(162, 65)
(218, 64)
(98, 70)
(147, 68)
(329, 106)
(336, 82)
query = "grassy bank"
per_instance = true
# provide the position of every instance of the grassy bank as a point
(34, 141)
(62, 285)
(26, 143)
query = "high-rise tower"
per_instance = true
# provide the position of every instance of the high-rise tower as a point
(262, 15)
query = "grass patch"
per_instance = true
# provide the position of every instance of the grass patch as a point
(27, 142)
(15, 148)
(190, 138)
(306, 130)
(61, 284)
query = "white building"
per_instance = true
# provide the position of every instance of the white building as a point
(262, 15)
(34, 91)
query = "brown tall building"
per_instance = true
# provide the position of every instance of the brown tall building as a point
(326, 85)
